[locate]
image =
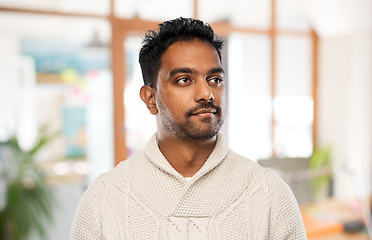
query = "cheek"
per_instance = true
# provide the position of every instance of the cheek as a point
(173, 105)
(179, 97)
(180, 105)
(220, 96)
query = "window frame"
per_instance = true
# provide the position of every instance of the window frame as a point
(120, 28)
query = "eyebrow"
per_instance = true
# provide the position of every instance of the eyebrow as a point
(216, 70)
(189, 70)
(180, 70)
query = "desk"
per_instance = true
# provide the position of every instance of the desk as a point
(331, 214)
(343, 236)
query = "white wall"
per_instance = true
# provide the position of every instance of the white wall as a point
(345, 97)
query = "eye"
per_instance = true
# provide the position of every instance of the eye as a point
(183, 81)
(215, 80)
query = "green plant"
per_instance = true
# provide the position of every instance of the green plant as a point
(29, 201)
(320, 158)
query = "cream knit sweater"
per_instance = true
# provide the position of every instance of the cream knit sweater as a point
(230, 197)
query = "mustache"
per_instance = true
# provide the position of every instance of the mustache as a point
(204, 105)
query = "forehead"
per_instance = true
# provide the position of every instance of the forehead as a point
(196, 54)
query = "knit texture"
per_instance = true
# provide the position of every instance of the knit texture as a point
(230, 197)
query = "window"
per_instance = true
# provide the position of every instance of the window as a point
(270, 65)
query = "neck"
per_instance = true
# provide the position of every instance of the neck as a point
(186, 157)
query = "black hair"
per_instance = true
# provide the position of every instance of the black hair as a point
(157, 41)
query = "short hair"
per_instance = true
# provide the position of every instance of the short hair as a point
(157, 41)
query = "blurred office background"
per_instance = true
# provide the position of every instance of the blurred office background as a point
(299, 81)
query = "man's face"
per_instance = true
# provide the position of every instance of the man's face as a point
(190, 93)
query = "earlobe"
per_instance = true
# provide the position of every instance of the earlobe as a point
(147, 95)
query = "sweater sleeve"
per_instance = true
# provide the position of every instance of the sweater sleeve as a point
(286, 220)
(86, 224)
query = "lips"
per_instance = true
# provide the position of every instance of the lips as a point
(204, 111)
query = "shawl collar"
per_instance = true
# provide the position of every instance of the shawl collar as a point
(148, 177)
(157, 158)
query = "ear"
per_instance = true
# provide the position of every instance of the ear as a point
(147, 95)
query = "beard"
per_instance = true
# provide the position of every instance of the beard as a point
(190, 130)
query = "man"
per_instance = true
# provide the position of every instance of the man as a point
(187, 183)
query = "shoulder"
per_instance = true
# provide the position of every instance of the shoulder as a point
(241, 161)
(256, 176)
(285, 214)
(128, 165)
(104, 184)
(285, 217)
(279, 189)
(99, 184)
(247, 166)
(118, 176)
(115, 178)
(132, 161)
(260, 177)
(86, 224)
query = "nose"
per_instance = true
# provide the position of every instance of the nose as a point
(203, 92)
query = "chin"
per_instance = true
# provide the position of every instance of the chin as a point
(201, 134)
(202, 137)
(193, 131)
